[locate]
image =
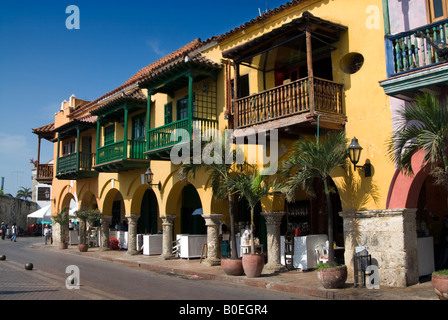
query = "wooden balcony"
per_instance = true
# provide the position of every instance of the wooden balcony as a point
(75, 166)
(44, 173)
(414, 63)
(121, 156)
(161, 139)
(412, 50)
(295, 102)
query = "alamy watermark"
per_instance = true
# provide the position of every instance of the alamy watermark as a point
(258, 144)
(73, 21)
(73, 280)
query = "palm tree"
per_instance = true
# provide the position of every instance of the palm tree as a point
(24, 193)
(62, 218)
(86, 216)
(423, 126)
(312, 160)
(253, 187)
(220, 173)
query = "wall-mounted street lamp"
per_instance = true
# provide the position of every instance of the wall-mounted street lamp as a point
(354, 155)
(149, 176)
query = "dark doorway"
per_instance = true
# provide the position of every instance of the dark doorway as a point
(191, 224)
(147, 223)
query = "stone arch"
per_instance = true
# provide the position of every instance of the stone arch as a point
(174, 204)
(64, 199)
(88, 201)
(404, 189)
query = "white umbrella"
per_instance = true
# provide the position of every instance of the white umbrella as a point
(197, 212)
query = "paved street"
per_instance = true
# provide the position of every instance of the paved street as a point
(103, 280)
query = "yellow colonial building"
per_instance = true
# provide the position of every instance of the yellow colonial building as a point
(302, 70)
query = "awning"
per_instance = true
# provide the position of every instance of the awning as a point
(43, 214)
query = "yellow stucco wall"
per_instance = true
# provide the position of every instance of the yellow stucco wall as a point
(366, 105)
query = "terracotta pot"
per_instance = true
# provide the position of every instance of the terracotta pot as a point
(440, 284)
(332, 278)
(253, 264)
(83, 247)
(63, 245)
(232, 267)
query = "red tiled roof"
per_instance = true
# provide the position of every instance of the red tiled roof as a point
(193, 45)
(46, 131)
(48, 128)
(259, 19)
(145, 72)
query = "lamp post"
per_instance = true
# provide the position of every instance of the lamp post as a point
(149, 176)
(354, 155)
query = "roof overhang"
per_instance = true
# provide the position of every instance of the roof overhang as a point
(325, 31)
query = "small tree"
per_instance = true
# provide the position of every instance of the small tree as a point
(315, 160)
(220, 172)
(86, 216)
(62, 218)
(253, 187)
(24, 193)
(423, 126)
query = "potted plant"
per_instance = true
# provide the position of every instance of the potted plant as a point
(331, 276)
(220, 173)
(439, 283)
(86, 216)
(311, 160)
(253, 187)
(62, 218)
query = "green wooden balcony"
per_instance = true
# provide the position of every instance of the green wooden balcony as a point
(76, 165)
(162, 139)
(121, 156)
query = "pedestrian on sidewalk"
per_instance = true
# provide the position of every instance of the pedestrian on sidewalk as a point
(14, 232)
(3, 230)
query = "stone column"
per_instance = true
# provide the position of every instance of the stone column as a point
(167, 240)
(132, 233)
(273, 221)
(105, 223)
(212, 222)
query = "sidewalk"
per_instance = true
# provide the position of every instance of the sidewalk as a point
(294, 281)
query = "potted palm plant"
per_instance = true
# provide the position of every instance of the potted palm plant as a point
(312, 160)
(253, 187)
(220, 172)
(62, 219)
(86, 216)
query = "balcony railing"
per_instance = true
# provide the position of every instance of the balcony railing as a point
(412, 50)
(289, 99)
(69, 163)
(131, 149)
(44, 172)
(163, 137)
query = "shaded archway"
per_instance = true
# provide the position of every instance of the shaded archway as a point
(113, 205)
(149, 212)
(191, 223)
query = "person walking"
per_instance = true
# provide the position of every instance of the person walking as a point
(3, 230)
(14, 232)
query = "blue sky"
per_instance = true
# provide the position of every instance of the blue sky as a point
(43, 63)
